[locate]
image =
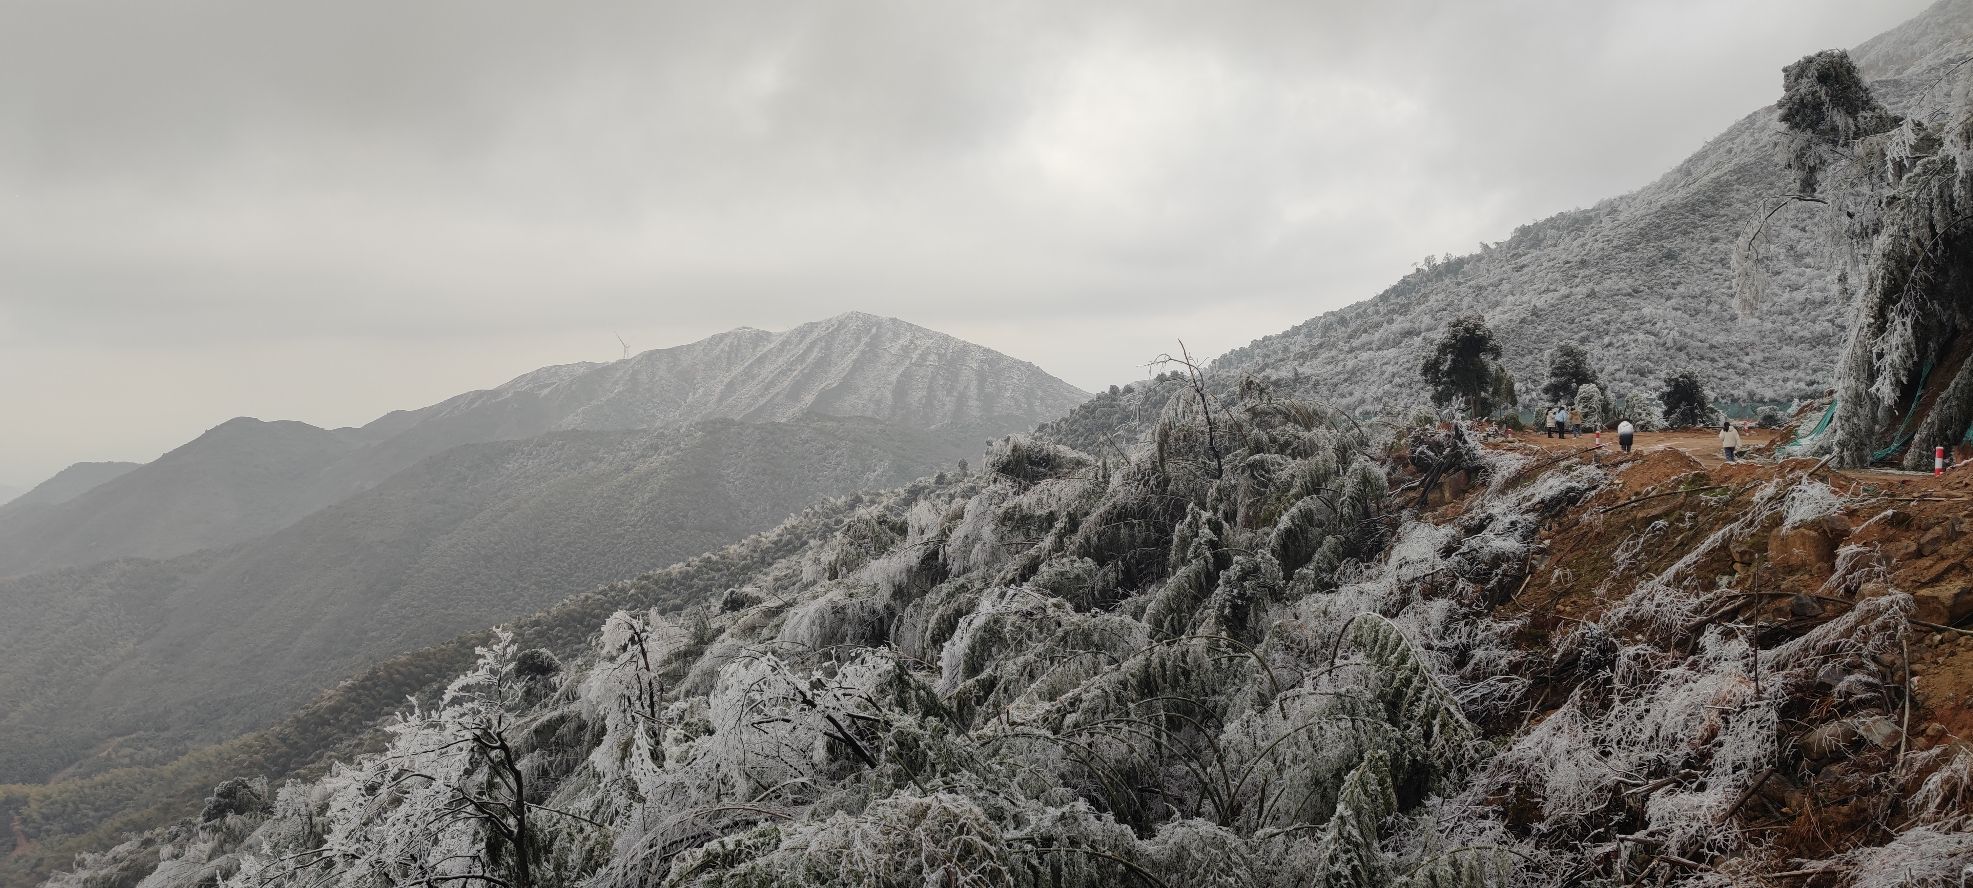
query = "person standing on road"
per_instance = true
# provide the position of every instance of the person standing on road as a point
(1625, 432)
(1560, 420)
(1575, 422)
(1729, 440)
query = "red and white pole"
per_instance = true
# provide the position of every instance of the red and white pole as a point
(1599, 438)
(1938, 460)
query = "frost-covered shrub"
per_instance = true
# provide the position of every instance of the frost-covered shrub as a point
(841, 618)
(536, 664)
(1054, 673)
(236, 796)
(1030, 460)
(1643, 410)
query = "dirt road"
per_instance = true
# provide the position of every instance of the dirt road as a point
(1702, 444)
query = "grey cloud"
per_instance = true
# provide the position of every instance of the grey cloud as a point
(187, 177)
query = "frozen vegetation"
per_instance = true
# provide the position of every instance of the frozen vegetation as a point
(1646, 282)
(1231, 657)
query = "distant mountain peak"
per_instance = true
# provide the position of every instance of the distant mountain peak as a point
(70, 483)
(247, 477)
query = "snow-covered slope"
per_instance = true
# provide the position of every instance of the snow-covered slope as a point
(1643, 281)
(247, 478)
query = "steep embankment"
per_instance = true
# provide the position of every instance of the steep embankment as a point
(1643, 281)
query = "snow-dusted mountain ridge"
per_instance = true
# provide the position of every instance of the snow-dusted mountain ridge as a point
(246, 478)
(854, 364)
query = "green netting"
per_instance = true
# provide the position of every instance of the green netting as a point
(1904, 428)
(1823, 426)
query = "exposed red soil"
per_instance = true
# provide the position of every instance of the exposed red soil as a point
(1910, 533)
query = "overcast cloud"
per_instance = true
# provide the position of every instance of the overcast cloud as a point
(326, 210)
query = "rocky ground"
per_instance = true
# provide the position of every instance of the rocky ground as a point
(1857, 747)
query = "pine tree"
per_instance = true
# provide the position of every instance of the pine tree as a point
(1568, 371)
(1685, 402)
(1464, 369)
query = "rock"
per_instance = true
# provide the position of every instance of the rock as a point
(1456, 484)
(1900, 549)
(1808, 549)
(1935, 538)
(1835, 739)
(1944, 604)
(1830, 740)
(1802, 607)
(1880, 731)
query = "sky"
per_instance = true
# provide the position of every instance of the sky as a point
(327, 210)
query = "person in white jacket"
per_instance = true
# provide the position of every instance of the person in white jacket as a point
(1625, 433)
(1729, 439)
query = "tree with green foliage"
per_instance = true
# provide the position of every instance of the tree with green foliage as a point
(1568, 372)
(1464, 369)
(1685, 402)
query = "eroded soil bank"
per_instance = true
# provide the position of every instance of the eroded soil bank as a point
(1676, 552)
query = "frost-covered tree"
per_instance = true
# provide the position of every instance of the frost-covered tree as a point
(1899, 195)
(1643, 410)
(1568, 371)
(1463, 369)
(1683, 401)
(1594, 407)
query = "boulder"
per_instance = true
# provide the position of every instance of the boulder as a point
(1945, 604)
(1880, 731)
(1830, 740)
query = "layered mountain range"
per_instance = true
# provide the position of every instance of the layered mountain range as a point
(247, 478)
(210, 591)
(1643, 280)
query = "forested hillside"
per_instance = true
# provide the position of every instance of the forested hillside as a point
(162, 654)
(92, 810)
(1262, 650)
(1646, 281)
